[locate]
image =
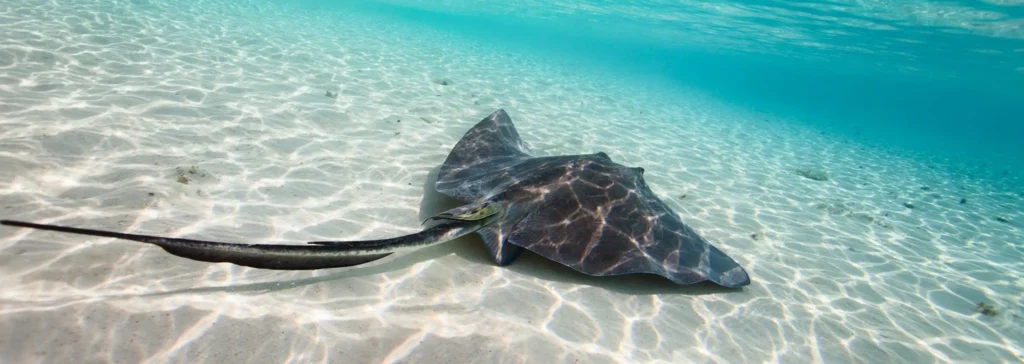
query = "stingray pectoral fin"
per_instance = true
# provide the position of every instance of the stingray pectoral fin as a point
(267, 256)
(725, 271)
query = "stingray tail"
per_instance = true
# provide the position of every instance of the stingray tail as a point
(317, 255)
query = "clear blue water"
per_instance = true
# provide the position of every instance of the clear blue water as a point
(109, 106)
(940, 78)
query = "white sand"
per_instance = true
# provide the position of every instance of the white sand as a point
(102, 102)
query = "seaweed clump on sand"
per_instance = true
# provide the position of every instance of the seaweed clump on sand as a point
(986, 309)
(192, 173)
(815, 174)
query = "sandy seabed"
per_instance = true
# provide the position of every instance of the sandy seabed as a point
(107, 107)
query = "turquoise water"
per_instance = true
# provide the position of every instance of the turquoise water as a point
(942, 78)
(265, 121)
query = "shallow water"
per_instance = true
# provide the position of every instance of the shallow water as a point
(108, 104)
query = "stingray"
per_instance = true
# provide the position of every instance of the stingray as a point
(583, 211)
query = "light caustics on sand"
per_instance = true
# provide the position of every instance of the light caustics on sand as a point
(103, 108)
(583, 211)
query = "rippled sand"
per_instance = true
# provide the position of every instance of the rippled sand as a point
(106, 106)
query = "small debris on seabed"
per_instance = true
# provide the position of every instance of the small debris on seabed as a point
(333, 95)
(192, 173)
(963, 201)
(908, 205)
(756, 236)
(987, 309)
(815, 174)
(926, 188)
(1002, 219)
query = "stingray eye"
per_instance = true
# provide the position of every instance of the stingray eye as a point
(603, 155)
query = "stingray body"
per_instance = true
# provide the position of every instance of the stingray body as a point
(583, 211)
